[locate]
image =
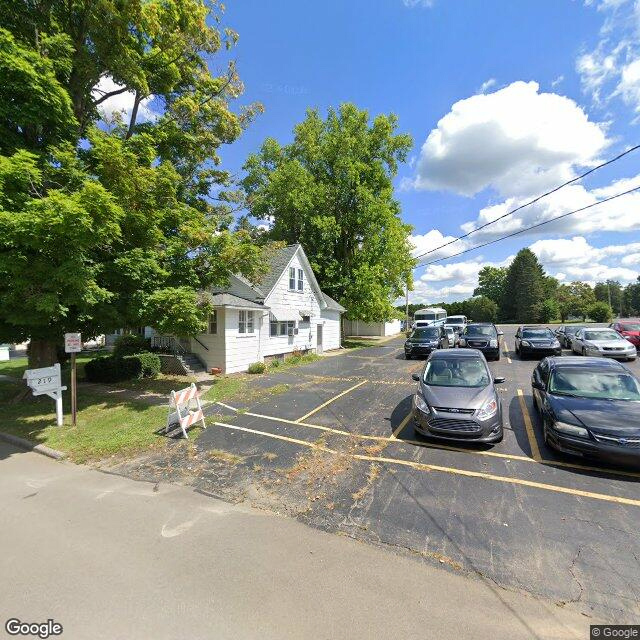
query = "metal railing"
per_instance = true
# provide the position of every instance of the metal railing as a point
(202, 344)
(168, 344)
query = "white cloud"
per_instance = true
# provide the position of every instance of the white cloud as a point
(432, 239)
(558, 81)
(517, 141)
(610, 68)
(418, 3)
(121, 103)
(487, 84)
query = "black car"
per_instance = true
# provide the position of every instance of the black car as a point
(536, 341)
(483, 336)
(589, 406)
(565, 334)
(424, 340)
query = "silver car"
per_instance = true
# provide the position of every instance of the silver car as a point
(602, 342)
(452, 336)
(456, 398)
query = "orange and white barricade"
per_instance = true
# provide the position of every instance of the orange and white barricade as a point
(186, 407)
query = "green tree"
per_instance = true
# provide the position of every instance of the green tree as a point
(524, 288)
(124, 223)
(547, 311)
(600, 312)
(610, 292)
(331, 190)
(491, 283)
(632, 298)
(481, 309)
(582, 298)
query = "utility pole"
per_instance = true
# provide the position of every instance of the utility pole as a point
(406, 306)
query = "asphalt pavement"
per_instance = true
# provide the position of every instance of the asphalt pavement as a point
(108, 557)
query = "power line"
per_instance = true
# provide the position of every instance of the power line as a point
(534, 226)
(527, 204)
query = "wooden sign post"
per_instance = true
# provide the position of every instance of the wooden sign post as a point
(73, 345)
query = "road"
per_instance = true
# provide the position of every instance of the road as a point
(109, 557)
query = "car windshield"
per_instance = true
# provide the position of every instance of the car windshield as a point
(630, 327)
(571, 330)
(537, 333)
(449, 330)
(454, 320)
(427, 332)
(612, 385)
(456, 372)
(473, 330)
(602, 335)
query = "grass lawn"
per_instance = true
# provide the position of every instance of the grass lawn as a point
(360, 343)
(110, 423)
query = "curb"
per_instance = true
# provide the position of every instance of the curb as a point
(31, 446)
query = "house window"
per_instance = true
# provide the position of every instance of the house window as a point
(283, 329)
(273, 329)
(291, 325)
(300, 280)
(292, 279)
(213, 323)
(245, 321)
(249, 321)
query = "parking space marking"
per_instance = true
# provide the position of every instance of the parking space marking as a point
(352, 379)
(531, 435)
(421, 466)
(401, 426)
(432, 445)
(506, 351)
(328, 402)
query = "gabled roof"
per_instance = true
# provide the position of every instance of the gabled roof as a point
(332, 304)
(229, 300)
(244, 291)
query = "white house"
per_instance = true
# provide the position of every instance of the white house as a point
(285, 312)
(359, 328)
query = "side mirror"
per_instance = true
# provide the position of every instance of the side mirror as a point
(415, 376)
(537, 384)
(499, 380)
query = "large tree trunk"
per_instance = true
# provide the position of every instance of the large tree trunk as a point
(42, 353)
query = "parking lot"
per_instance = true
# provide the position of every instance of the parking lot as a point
(337, 449)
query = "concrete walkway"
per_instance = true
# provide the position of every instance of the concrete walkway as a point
(107, 557)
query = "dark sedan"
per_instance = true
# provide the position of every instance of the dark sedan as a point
(589, 407)
(424, 340)
(482, 336)
(565, 334)
(536, 341)
(456, 398)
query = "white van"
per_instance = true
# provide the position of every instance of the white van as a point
(457, 322)
(429, 316)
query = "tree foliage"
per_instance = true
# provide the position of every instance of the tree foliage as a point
(117, 223)
(524, 287)
(331, 190)
(491, 283)
(600, 312)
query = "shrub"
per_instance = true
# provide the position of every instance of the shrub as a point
(140, 365)
(129, 345)
(112, 369)
(600, 312)
(256, 367)
(104, 369)
(275, 364)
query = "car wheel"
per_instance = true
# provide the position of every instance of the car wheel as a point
(408, 357)
(497, 358)
(584, 351)
(536, 406)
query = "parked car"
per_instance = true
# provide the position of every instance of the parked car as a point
(589, 406)
(483, 336)
(452, 335)
(456, 398)
(602, 342)
(565, 334)
(629, 329)
(424, 340)
(458, 323)
(536, 341)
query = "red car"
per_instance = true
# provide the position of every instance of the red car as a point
(629, 329)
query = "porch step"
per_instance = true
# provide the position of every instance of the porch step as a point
(191, 364)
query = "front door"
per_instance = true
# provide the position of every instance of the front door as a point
(319, 338)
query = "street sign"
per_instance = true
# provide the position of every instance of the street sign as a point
(47, 381)
(72, 342)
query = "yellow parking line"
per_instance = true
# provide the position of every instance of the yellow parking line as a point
(533, 443)
(443, 447)
(431, 467)
(328, 402)
(401, 426)
(506, 351)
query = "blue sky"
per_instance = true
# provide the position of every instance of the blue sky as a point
(513, 98)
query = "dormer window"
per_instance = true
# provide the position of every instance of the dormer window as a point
(292, 279)
(300, 280)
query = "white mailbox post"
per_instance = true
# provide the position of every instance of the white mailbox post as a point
(47, 381)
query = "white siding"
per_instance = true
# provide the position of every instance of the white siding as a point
(330, 329)
(391, 328)
(215, 356)
(241, 349)
(282, 298)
